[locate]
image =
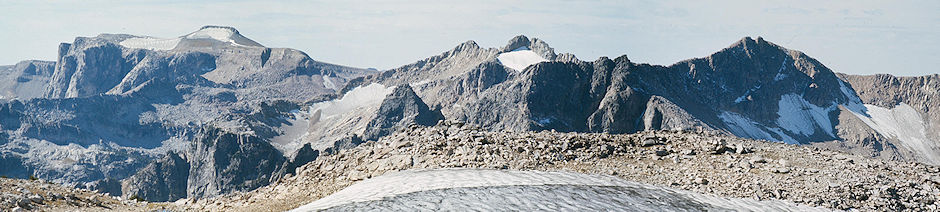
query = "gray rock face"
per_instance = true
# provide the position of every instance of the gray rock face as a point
(399, 109)
(162, 180)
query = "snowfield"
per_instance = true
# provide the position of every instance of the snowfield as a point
(520, 58)
(505, 190)
(222, 34)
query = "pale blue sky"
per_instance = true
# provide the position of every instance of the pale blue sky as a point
(857, 37)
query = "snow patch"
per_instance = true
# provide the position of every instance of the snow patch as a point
(628, 194)
(420, 83)
(904, 123)
(745, 127)
(520, 58)
(783, 67)
(363, 96)
(800, 116)
(780, 76)
(151, 43)
(743, 98)
(329, 83)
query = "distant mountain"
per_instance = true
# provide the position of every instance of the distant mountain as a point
(112, 104)
(213, 112)
(753, 89)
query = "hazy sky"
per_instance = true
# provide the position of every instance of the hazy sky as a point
(858, 37)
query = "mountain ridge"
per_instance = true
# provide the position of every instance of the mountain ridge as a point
(130, 110)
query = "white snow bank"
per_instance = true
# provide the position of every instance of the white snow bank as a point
(220, 34)
(590, 188)
(151, 43)
(904, 123)
(800, 116)
(363, 96)
(520, 58)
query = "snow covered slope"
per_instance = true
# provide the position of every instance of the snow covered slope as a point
(904, 123)
(329, 121)
(520, 58)
(498, 190)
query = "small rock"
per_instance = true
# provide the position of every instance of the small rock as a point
(781, 170)
(741, 149)
(758, 159)
(36, 198)
(23, 203)
(650, 142)
(662, 152)
(700, 181)
(18, 209)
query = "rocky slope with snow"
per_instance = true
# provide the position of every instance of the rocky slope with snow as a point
(752, 89)
(700, 162)
(213, 112)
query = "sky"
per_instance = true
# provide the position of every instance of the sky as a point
(855, 37)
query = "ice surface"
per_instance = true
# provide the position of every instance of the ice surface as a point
(500, 190)
(520, 58)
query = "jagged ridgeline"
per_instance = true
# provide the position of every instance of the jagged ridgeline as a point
(213, 112)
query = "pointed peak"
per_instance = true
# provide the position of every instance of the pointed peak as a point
(744, 42)
(470, 44)
(521, 42)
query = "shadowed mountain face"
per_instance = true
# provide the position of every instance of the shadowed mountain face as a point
(212, 112)
(753, 88)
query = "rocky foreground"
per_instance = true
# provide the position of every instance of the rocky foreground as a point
(699, 162)
(694, 161)
(40, 195)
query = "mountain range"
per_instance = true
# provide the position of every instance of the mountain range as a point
(212, 112)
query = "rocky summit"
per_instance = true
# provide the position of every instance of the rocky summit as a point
(213, 120)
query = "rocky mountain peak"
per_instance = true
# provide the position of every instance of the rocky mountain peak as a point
(521, 42)
(516, 42)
